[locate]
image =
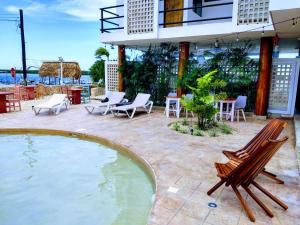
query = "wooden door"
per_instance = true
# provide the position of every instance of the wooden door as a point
(175, 16)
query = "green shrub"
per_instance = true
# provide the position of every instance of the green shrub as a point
(198, 132)
(176, 126)
(151, 73)
(184, 130)
(195, 127)
(213, 133)
(185, 122)
(203, 101)
(225, 129)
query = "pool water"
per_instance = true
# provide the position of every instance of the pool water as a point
(61, 180)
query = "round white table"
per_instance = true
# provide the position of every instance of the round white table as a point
(229, 112)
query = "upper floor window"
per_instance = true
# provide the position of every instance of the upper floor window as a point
(197, 3)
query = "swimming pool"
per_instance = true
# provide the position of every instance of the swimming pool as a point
(51, 179)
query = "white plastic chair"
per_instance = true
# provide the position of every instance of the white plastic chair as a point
(239, 106)
(140, 101)
(55, 102)
(113, 99)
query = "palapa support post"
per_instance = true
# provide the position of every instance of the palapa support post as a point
(264, 77)
(121, 59)
(184, 51)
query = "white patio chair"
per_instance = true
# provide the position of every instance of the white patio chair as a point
(55, 102)
(239, 106)
(113, 99)
(140, 101)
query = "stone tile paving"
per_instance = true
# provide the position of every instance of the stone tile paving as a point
(183, 162)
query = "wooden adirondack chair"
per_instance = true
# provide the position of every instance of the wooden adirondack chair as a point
(244, 173)
(271, 131)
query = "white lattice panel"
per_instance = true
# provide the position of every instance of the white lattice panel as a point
(280, 86)
(253, 11)
(111, 76)
(140, 16)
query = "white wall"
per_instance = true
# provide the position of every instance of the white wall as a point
(210, 12)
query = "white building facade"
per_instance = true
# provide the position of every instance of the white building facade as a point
(144, 22)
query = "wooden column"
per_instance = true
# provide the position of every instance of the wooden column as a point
(121, 59)
(264, 77)
(184, 51)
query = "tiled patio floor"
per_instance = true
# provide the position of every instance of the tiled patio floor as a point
(183, 162)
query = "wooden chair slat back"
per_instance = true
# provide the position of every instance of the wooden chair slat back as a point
(271, 131)
(271, 147)
(250, 168)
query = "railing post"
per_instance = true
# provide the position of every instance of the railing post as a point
(102, 28)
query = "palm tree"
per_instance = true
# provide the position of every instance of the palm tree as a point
(100, 52)
(97, 69)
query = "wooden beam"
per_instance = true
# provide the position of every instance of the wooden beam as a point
(264, 77)
(121, 59)
(184, 51)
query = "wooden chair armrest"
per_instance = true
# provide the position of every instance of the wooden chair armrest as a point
(232, 155)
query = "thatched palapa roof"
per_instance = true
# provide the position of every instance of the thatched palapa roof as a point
(52, 68)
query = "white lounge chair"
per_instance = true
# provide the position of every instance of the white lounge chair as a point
(140, 101)
(55, 102)
(113, 99)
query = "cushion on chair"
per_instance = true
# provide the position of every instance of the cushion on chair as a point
(105, 100)
(123, 103)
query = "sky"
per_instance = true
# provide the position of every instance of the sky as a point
(53, 28)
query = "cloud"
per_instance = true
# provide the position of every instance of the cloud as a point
(83, 10)
(30, 6)
(12, 9)
(86, 10)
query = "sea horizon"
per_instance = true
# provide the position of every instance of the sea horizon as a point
(32, 79)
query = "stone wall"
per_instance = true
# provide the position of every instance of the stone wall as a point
(44, 90)
(48, 89)
(96, 91)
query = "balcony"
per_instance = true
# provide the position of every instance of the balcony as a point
(112, 17)
(194, 14)
(138, 22)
